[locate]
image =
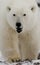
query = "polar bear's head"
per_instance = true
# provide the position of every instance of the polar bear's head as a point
(22, 14)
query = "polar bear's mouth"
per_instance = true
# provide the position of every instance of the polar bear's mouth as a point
(18, 27)
(19, 30)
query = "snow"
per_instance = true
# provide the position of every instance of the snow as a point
(33, 62)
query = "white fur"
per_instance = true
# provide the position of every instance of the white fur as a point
(27, 43)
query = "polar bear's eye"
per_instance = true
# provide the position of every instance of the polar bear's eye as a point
(8, 8)
(14, 14)
(24, 14)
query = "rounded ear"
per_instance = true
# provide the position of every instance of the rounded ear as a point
(33, 8)
(8, 8)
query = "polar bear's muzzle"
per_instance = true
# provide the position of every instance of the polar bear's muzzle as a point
(19, 27)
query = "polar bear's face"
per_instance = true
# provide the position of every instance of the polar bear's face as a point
(22, 15)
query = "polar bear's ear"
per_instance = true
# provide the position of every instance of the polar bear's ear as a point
(33, 8)
(8, 8)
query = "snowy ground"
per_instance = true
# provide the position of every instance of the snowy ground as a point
(34, 62)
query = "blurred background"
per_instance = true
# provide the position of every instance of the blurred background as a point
(38, 2)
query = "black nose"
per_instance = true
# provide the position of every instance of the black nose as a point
(18, 24)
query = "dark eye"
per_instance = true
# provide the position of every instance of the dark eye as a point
(8, 8)
(14, 14)
(24, 14)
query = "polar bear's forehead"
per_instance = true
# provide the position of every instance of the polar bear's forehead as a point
(22, 3)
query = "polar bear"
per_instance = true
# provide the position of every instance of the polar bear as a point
(19, 29)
